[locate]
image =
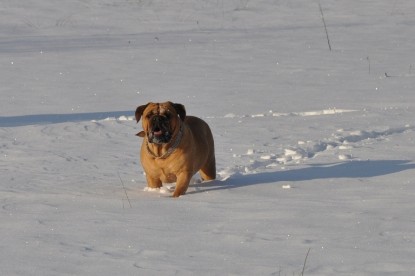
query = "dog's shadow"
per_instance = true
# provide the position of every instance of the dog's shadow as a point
(351, 169)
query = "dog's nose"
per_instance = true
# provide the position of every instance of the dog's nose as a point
(156, 119)
(157, 122)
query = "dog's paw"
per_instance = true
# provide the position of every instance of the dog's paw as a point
(163, 190)
(167, 189)
(152, 190)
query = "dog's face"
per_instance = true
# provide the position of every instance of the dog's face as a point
(160, 121)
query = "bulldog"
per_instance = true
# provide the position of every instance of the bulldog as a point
(175, 146)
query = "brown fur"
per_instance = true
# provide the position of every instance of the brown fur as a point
(194, 153)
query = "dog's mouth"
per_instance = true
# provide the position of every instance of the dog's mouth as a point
(158, 136)
(157, 132)
(160, 133)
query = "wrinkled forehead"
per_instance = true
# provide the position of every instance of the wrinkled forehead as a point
(160, 108)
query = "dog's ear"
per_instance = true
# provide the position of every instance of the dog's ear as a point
(180, 110)
(139, 112)
(141, 134)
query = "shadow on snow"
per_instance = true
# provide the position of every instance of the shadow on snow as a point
(41, 119)
(351, 169)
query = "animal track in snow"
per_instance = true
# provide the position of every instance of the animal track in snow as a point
(341, 141)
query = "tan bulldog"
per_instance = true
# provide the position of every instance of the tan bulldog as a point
(175, 146)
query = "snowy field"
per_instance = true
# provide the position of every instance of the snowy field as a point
(315, 148)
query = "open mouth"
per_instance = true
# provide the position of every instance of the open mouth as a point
(159, 135)
(157, 132)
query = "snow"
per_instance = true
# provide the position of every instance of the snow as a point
(315, 148)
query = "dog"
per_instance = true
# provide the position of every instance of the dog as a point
(175, 146)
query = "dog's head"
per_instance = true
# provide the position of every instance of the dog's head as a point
(160, 121)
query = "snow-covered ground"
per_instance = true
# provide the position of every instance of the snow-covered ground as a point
(315, 148)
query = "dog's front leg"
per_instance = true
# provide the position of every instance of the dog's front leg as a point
(183, 180)
(153, 182)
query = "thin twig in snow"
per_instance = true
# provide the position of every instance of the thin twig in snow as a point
(305, 261)
(125, 190)
(325, 27)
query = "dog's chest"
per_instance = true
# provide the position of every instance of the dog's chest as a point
(166, 171)
(168, 178)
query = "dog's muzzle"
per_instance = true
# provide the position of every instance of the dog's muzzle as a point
(159, 130)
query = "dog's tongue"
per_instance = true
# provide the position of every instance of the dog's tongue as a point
(158, 133)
